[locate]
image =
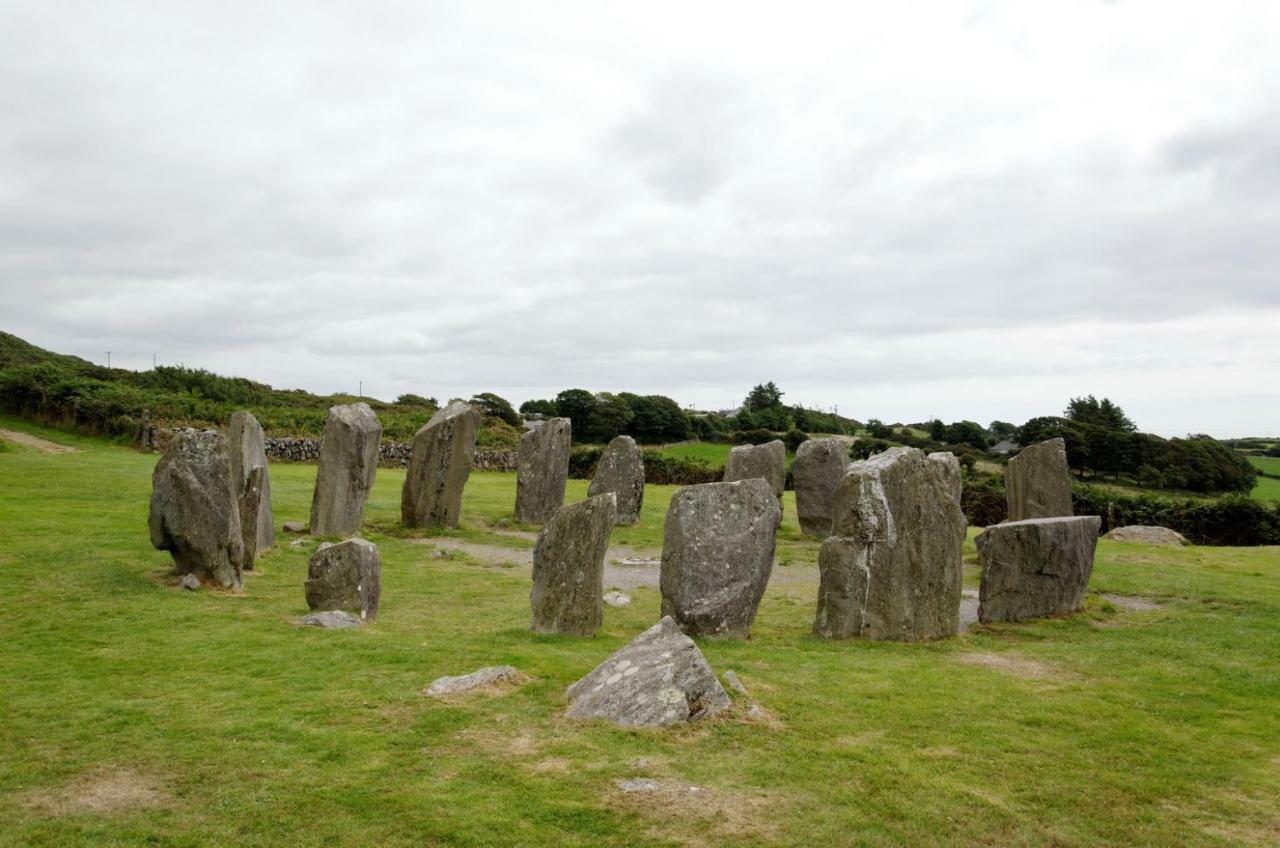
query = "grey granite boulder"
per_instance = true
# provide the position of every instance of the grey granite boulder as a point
(194, 513)
(621, 471)
(1035, 568)
(542, 470)
(891, 568)
(717, 554)
(769, 461)
(347, 466)
(817, 470)
(248, 451)
(568, 568)
(493, 675)
(1149, 534)
(1037, 482)
(659, 678)
(950, 466)
(439, 467)
(346, 576)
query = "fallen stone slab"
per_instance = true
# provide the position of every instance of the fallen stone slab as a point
(194, 513)
(1035, 568)
(1038, 481)
(717, 555)
(891, 570)
(346, 576)
(621, 471)
(660, 678)
(439, 467)
(331, 619)
(568, 568)
(1147, 534)
(443, 687)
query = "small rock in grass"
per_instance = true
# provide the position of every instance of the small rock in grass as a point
(734, 683)
(332, 619)
(293, 527)
(445, 686)
(617, 599)
(191, 583)
(639, 784)
(296, 543)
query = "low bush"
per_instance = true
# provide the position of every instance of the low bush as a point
(1228, 520)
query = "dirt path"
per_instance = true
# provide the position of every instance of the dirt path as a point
(27, 440)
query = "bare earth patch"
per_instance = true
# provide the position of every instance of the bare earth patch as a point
(29, 441)
(682, 811)
(1132, 602)
(1010, 664)
(104, 791)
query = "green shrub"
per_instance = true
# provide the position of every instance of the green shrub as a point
(794, 438)
(1228, 520)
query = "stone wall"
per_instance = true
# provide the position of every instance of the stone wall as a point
(390, 454)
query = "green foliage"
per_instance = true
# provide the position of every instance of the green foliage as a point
(539, 407)
(983, 500)
(794, 438)
(1228, 520)
(1194, 465)
(878, 429)
(999, 431)
(1099, 413)
(763, 396)
(417, 400)
(494, 406)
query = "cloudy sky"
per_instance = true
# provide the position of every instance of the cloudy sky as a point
(906, 210)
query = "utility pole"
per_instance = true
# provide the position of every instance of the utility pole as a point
(153, 362)
(108, 359)
(360, 392)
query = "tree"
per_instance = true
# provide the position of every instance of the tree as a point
(609, 416)
(937, 430)
(538, 407)
(1002, 430)
(416, 400)
(576, 405)
(762, 397)
(967, 433)
(493, 406)
(878, 429)
(1100, 413)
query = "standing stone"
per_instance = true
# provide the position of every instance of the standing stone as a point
(542, 470)
(769, 461)
(1036, 567)
(818, 468)
(568, 567)
(439, 467)
(950, 466)
(346, 576)
(248, 450)
(1037, 482)
(249, 504)
(344, 476)
(621, 471)
(717, 554)
(891, 570)
(194, 512)
(660, 678)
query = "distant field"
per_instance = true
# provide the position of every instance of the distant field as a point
(1266, 464)
(1268, 489)
(709, 452)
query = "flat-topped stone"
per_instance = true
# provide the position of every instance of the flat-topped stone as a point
(1038, 481)
(768, 461)
(891, 569)
(1035, 568)
(542, 470)
(346, 469)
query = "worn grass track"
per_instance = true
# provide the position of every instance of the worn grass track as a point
(137, 714)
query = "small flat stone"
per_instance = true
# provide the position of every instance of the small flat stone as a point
(294, 527)
(442, 687)
(639, 784)
(331, 619)
(191, 583)
(617, 599)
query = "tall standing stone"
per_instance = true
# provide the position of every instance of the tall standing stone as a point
(1035, 568)
(717, 554)
(817, 470)
(439, 467)
(249, 504)
(348, 464)
(891, 568)
(769, 461)
(248, 451)
(1037, 481)
(568, 567)
(194, 512)
(621, 471)
(542, 470)
(346, 576)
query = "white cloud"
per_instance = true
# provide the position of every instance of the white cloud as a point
(964, 211)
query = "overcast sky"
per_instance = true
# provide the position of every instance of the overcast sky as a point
(908, 210)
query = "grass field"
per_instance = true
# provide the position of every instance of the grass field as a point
(1267, 488)
(138, 714)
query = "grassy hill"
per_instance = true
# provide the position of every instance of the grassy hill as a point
(139, 714)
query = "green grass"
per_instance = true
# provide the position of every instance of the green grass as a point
(1267, 488)
(712, 453)
(1113, 727)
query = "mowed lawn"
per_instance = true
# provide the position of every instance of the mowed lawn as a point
(134, 713)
